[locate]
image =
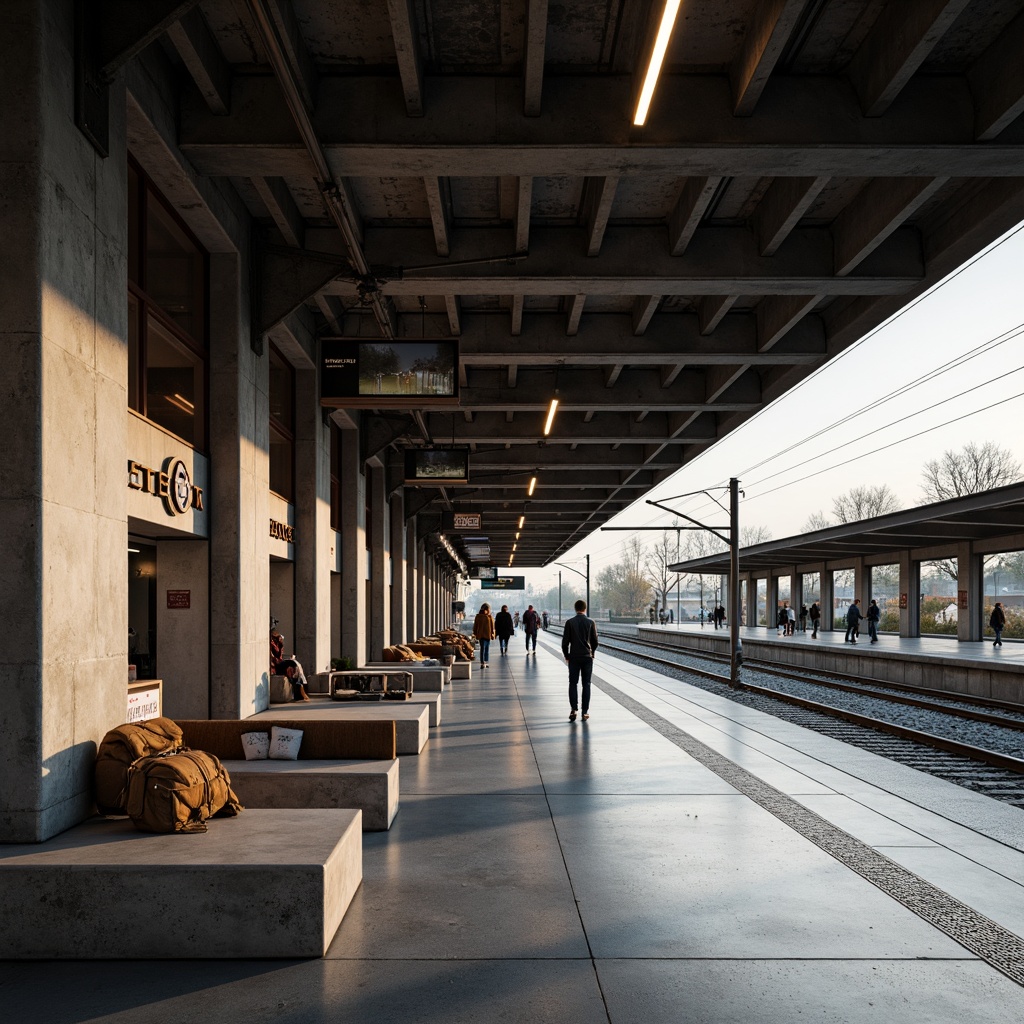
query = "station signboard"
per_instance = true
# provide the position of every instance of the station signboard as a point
(504, 583)
(483, 572)
(456, 522)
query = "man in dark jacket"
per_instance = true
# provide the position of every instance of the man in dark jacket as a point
(579, 644)
(874, 617)
(815, 614)
(503, 627)
(853, 617)
(998, 623)
(531, 623)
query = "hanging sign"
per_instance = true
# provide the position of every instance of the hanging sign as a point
(456, 521)
(504, 583)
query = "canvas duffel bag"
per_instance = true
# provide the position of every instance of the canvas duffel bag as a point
(178, 792)
(120, 749)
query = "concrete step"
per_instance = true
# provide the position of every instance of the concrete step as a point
(367, 786)
(268, 883)
(412, 720)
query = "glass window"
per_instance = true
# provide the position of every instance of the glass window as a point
(885, 589)
(812, 588)
(761, 599)
(134, 353)
(174, 383)
(842, 595)
(174, 269)
(1003, 579)
(939, 610)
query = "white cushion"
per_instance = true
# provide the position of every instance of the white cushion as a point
(256, 745)
(284, 743)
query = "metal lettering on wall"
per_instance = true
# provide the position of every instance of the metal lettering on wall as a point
(172, 484)
(282, 531)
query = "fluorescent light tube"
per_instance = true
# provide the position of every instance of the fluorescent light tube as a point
(668, 21)
(533, 484)
(551, 416)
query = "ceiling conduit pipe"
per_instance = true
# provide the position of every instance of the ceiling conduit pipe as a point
(332, 194)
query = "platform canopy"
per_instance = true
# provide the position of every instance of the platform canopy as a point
(427, 169)
(993, 516)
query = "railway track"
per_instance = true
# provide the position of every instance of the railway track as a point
(998, 773)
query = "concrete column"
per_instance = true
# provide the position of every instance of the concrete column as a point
(772, 601)
(796, 593)
(969, 581)
(411, 579)
(63, 429)
(910, 616)
(397, 551)
(421, 588)
(353, 549)
(238, 499)
(379, 605)
(184, 565)
(313, 535)
(861, 586)
(828, 603)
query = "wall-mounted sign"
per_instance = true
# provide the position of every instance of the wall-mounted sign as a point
(504, 583)
(179, 598)
(172, 484)
(961, 599)
(903, 600)
(144, 700)
(455, 521)
(282, 531)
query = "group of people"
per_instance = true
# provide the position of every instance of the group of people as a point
(503, 626)
(853, 619)
(579, 644)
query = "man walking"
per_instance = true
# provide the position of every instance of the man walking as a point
(853, 617)
(874, 617)
(815, 614)
(998, 622)
(579, 643)
(504, 628)
(531, 623)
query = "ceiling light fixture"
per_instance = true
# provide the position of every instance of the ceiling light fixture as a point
(517, 535)
(522, 519)
(533, 484)
(551, 416)
(181, 402)
(514, 546)
(668, 21)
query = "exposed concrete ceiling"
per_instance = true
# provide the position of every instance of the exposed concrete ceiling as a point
(808, 167)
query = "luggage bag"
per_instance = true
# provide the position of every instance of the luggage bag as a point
(120, 749)
(177, 792)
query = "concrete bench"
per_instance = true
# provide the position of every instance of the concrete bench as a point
(411, 720)
(269, 883)
(432, 702)
(432, 678)
(462, 670)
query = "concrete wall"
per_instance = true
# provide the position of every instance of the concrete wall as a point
(63, 324)
(184, 633)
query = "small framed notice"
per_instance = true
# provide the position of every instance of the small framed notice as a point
(179, 598)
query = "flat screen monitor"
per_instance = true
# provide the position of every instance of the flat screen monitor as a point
(436, 466)
(388, 374)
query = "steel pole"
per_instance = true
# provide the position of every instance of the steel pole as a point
(588, 583)
(735, 644)
(559, 595)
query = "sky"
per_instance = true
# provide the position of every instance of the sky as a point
(979, 399)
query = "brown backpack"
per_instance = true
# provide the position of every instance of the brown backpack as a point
(178, 792)
(120, 749)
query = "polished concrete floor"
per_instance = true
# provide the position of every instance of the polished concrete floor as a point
(592, 872)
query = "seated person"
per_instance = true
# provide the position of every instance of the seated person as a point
(291, 668)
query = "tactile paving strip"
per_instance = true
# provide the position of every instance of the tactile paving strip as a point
(991, 941)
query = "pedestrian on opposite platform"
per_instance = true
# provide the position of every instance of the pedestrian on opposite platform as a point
(579, 644)
(515, 619)
(853, 617)
(815, 616)
(782, 621)
(803, 618)
(791, 624)
(483, 630)
(544, 619)
(874, 617)
(998, 623)
(504, 628)
(531, 623)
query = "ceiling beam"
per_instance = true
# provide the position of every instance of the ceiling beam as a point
(199, 52)
(521, 220)
(694, 198)
(878, 210)
(997, 82)
(711, 311)
(778, 314)
(404, 32)
(898, 43)
(719, 261)
(768, 31)
(437, 203)
(781, 208)
(516, 319)
(277, 198)
(598, 196)
(572, 325)
(294, 45)
(816, 129)
(536, 34)
(644, 308)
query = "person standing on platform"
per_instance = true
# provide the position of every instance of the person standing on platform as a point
(803, 618)
(531, 623)
(504, 628)
(998, 622)
(782, 620)
(853, 617)
(483, 630)
(791, 624)
(515, 619)
(579, 644)
(874, 617)
(544, 619)
(815, 614)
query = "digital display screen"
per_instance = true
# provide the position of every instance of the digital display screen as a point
(437, 466)
(390, 374)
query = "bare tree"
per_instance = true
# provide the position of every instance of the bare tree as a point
(659, 557)
(816, 521)
(624, 587)
(973, 469)
(751, 535)
(864, 503)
